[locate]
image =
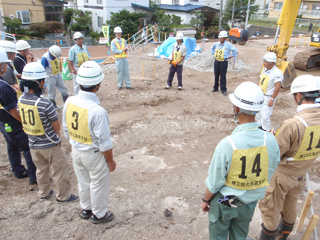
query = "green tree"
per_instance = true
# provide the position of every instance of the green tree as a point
(240, 11)
(175, 20)
(12, 25)
(83, 19)
(129, 22)
(197, 21)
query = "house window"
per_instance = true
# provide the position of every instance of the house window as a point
(86, 1)
(266, 6)
(315, 7)
(158, 1)
(176, 2)
(100, 21)
(194, 0)
(278, 5)
(24, 16)
(99, 1)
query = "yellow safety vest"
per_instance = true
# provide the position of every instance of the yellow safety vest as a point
(55, 65)
(264, 82)
(176, 56)
(249, 167)
(310, 145)
(82, 57)
(31, 121)
(77, 123)
(219, 55)
(123, 54)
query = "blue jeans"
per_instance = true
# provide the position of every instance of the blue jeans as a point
(17, 141)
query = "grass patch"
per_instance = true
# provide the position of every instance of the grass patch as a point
(273, 23)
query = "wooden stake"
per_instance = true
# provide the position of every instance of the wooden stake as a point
(305, 211)
(295, 46)
(142, 69)
(165, 36)
(154, 70)
(311, 226)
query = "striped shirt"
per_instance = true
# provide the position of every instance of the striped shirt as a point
(47, 115)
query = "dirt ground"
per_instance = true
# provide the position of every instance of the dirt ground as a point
(163, 144)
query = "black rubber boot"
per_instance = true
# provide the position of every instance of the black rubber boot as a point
(54, 104)
(267, 234)
(65, 98)
(284, 230)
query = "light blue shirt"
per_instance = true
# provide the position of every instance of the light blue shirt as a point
(245, 136)
(114, 48)
(74, 51)
(227, 47)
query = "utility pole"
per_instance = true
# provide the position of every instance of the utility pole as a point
(248, 11)
(220, 17)
(234, 1)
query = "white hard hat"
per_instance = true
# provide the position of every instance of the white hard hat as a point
(305, 84)
(22, 45)
(179, 36)
(77, 35)
(117, 30)
(223, 34)
(33, 71)
(55, 51)
(89, 74)
(3, 56)
(270, 57)
(8, 46)
(249, 97)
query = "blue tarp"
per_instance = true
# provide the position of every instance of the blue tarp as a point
(166, 47)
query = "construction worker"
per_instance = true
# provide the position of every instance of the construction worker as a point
(299, 142)
(22, 57)
(41, 122)
(270, 83)
(87, 125)
(120, 48)
(11, 127)
(241, 168)
(78, 54)
(179, 52)
(222, 53)
(50, 62)
(10, 76)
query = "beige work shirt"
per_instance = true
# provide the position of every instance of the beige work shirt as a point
(289, 138)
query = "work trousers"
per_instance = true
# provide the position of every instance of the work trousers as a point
(263, 117)
(52, 158)
(220, 71)
(18, 141)
(226, 221)
(76, 86)
(281, 198)
(93, 175)
(54, 82)
(172, 71)
(122, 65)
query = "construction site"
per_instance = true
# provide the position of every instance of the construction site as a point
(164, 140)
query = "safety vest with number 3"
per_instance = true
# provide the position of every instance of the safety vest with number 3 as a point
(82, 57)
(310, 145)
(55, 65)
(77, 123)
(249, 168)
(219, 55)
(264, 81)
(176, 56)
(31, 121)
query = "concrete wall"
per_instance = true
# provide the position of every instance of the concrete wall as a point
(10, 7)
(184, 2)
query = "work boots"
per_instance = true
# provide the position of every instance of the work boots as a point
(284, 230)
(65, 98)
(267, 234)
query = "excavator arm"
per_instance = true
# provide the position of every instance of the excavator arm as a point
(285, 26)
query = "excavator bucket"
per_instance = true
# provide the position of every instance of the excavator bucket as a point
(289, 73)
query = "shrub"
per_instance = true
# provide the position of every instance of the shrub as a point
(40, 29)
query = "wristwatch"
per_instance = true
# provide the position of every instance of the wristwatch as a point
(207, 201)
(272, 99)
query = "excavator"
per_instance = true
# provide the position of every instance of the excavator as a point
(305, 60)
